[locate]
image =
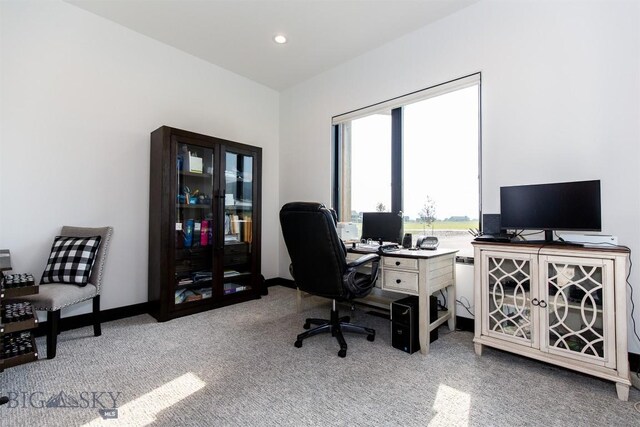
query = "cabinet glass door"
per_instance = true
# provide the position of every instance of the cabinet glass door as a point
(576, 308)
(238, 222)
(194, 223)
(508, 295)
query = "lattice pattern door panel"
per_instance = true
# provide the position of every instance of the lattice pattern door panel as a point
(576, 312)
(509, 298)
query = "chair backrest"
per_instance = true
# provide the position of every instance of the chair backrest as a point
(318, 256)
(105, 237)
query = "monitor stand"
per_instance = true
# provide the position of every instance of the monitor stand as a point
(548, 240)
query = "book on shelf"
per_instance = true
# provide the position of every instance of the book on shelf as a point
(234, 223)
(188, 295)
(247, 233)
(231, 238)
(201, 276)
(195, 241)
(231, 288)
(185, 281)
(204, 233)
(193, 297)
(205, 292)
(231, 273)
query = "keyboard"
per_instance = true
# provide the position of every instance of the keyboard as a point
(372, 247)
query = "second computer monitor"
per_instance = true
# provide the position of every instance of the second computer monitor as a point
(385, 226)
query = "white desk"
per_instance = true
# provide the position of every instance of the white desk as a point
(419, 273)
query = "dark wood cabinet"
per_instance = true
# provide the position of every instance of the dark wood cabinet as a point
(204, 223)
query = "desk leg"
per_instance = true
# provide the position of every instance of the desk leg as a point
(423, 317)
(451, 294)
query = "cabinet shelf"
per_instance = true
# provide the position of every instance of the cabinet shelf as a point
(193, 251)
(202, 284)
(194, 301)
(195, 174)
(193, 206)
(573, 306)
(520, 301)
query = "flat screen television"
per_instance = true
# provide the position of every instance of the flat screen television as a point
(382, 226)
(567, 206)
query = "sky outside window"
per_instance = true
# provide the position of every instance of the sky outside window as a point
(371, 163)
(441, 155)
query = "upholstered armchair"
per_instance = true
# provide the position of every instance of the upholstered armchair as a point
(53, 297)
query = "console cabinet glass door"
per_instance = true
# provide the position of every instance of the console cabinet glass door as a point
(508, 295)
(194, 223)
(578, 320)
(239, 218)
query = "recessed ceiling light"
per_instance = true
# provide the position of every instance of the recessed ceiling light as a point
(280, 39)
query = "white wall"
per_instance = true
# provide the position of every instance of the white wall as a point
(80, 96)
(561, 101)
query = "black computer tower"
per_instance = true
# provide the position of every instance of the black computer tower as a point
(404, 323)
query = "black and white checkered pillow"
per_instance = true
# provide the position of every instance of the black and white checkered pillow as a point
(71, 260)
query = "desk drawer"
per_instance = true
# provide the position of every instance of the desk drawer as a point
(402, 263)
(403, 281)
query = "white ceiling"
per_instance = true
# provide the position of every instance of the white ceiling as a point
(238, 34)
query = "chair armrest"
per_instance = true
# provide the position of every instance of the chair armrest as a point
(363, 260)
(359, 285)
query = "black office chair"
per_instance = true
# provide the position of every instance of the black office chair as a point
(319, 266)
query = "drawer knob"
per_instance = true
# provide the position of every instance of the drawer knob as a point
(397, 262)
(398, 281)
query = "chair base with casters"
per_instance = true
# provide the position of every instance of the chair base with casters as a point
(336, 326)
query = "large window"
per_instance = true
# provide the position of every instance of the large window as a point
(418, 156)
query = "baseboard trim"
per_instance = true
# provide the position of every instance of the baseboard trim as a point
(465, 324)
(83, 320)
(279, 281)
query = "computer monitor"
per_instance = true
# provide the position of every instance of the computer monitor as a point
(567, 206)
(385, 226)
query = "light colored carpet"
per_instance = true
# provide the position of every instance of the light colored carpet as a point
(238, 366)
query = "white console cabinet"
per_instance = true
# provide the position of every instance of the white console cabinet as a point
(558, 304)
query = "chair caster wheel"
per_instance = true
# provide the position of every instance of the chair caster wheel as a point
(342, 353)
(298, 343)
(306, 325)
(371, 337)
